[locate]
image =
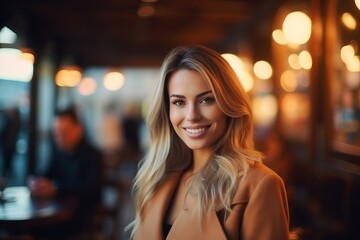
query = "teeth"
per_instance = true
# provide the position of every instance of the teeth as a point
(195, 131)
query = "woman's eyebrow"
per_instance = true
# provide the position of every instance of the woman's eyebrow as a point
(203, 93)
(182, 96)
(176, 96)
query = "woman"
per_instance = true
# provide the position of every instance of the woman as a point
(202, 178)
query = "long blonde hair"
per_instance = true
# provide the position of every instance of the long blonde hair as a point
(215, 184)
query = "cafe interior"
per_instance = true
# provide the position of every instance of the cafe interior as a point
(298, 60)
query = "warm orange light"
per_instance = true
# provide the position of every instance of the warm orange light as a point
(353, 65)
(238, 66)
(265, 109)
(68, 76)
(348, 20)
(347, 53)
(262, 69)
(297, 27)
(279, 37)
(28, 56)
(288, 81)
(357, 3)
(305, 60)
(293, 61)
(295, 107)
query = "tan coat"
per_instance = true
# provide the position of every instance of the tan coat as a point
(260, 212)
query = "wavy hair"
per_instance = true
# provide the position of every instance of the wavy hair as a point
(215, 184)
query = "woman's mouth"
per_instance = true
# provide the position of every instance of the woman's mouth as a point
(196, 132)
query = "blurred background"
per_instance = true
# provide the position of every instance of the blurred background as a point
(297, 59)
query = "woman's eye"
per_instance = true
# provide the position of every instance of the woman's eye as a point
(178, 102)
(208, 100)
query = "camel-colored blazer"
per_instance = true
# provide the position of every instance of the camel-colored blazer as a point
(260, 212)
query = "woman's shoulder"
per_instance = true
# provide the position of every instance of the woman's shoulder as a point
(257, 177)
(257, 171)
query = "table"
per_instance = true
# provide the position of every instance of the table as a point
(22, 212)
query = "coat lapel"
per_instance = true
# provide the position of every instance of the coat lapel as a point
(151, 227)
(185, 227)
(186, 224)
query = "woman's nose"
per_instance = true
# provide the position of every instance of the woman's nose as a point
(193, 113)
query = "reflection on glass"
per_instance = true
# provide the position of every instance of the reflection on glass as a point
(347, 117)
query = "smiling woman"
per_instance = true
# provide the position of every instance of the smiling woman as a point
(194, 114)
(202, 178)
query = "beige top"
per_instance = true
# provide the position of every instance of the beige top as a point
(260, 212)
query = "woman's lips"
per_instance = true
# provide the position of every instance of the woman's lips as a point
(195, 131)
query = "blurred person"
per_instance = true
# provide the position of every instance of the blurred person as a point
(202, 177)
(131, 124)
(75, 170)
(8, 138)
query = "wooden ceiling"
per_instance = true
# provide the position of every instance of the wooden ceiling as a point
(111, 32)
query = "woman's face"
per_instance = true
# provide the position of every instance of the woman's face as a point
(194, 113)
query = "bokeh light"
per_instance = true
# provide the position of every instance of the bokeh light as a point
(240, 70)
(114, 81)
(263, 70)
(279, 37)
(288, 81)
(16, 65)
(265, 109)
(293, 61)
(297, 27)
(348, 20)
(305, 60)
(87, 86)
(69, 76)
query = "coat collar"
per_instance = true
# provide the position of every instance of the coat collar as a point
(155, 211)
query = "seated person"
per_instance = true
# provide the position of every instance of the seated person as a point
(74, 171)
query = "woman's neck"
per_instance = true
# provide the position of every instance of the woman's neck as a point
(200, 158)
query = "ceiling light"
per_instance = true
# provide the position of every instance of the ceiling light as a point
(14, 66)
(7, 36)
